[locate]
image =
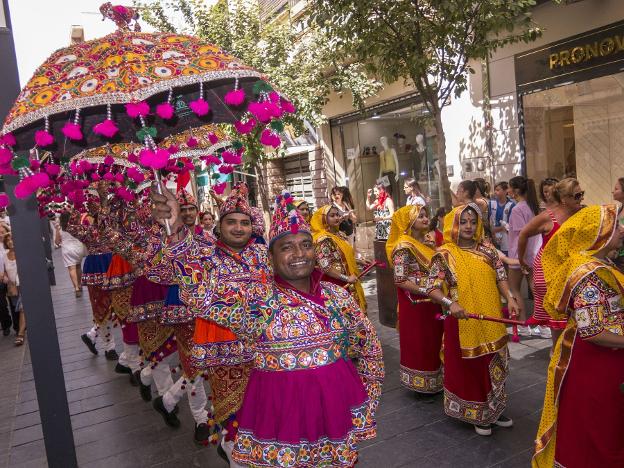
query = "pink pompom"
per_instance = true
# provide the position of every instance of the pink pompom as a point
(235, 98)
(43, 138)
(211, 159)
(146, 157)
(259, 110)
(7, 170)
(40, 180)
(124, 194)
(109, 160)
(214, 139)
(4, 200)
(53, 170)
(24, 189)
(35, 164)
(231, 158)
(274, 97)
(173, 149)
(133, 158)
(191, 142)
(244, 127)
(226, 169)
(266, 137)
(108, 176)
(107, 128)
(95, 177)
(137, 109)
(200, 107)
(5, 156)
(119, 177)
(165, 111)
(219, 188)
(72, 131)
(288, 106)
(160, 159)
(8, 139)
(135, 175)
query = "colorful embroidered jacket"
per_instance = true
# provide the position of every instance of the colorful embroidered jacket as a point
(287, 331)
(136, 237)
(191, 264)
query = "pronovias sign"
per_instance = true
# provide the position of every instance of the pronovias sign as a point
(585, 56)
(584, 53)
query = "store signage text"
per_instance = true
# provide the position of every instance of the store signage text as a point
(584, 53)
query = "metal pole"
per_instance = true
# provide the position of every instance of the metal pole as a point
(45, 353)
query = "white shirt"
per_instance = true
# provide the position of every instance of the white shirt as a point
(415, 200)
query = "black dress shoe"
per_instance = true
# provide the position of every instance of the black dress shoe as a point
(170, 419)
(6, 331)
(111, 355)
(90, 344)
(202, 433)
(144, 390)
(133, 380)
(121, 369)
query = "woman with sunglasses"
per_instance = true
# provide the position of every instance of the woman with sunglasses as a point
(568, 196)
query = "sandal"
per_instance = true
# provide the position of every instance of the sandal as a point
(78, 292)
(19, 340)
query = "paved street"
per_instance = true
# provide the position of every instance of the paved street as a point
(114, 428)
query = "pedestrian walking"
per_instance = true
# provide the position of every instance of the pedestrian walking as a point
(500, 209)
(73, 252)
(383, 209)
(11, 279)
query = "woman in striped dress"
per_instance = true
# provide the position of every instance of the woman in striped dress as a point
(568, 195)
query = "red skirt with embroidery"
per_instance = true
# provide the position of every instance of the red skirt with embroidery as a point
(474, 388)
(100, 304)
(590, 421)
(420, 340)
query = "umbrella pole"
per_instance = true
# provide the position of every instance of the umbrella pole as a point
(158, 181)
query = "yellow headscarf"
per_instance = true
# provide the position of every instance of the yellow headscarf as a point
(400, 235)
(568, 256)
(321, 231)
(477, 291)
(567, 259)
(298, 202)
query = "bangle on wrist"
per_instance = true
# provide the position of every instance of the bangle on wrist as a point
(447, 302)
(344, 277)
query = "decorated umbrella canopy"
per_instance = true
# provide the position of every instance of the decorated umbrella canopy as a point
(132, 86)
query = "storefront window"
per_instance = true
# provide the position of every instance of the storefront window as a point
(388, 148)
(574, 131)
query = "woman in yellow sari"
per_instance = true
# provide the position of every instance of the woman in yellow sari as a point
(583, 417)
(471, 274)
(334, 255)
(409, 248)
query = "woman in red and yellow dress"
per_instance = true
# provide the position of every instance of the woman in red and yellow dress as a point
(410, 249)
(334, 255)
(583, 417)
(470, 272)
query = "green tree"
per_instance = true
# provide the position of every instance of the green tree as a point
(426, 42)
(303, 66)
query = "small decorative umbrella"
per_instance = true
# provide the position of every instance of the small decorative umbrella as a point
(134, 86)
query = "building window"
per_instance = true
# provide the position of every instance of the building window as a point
(574, 131)
(365, 151)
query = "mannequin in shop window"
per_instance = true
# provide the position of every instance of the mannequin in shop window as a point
(388, 161)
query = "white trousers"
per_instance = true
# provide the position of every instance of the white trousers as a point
(130, 357)
(196, 396)
(160, 374)
(106, 330)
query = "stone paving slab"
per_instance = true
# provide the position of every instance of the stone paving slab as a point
(113, 427)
